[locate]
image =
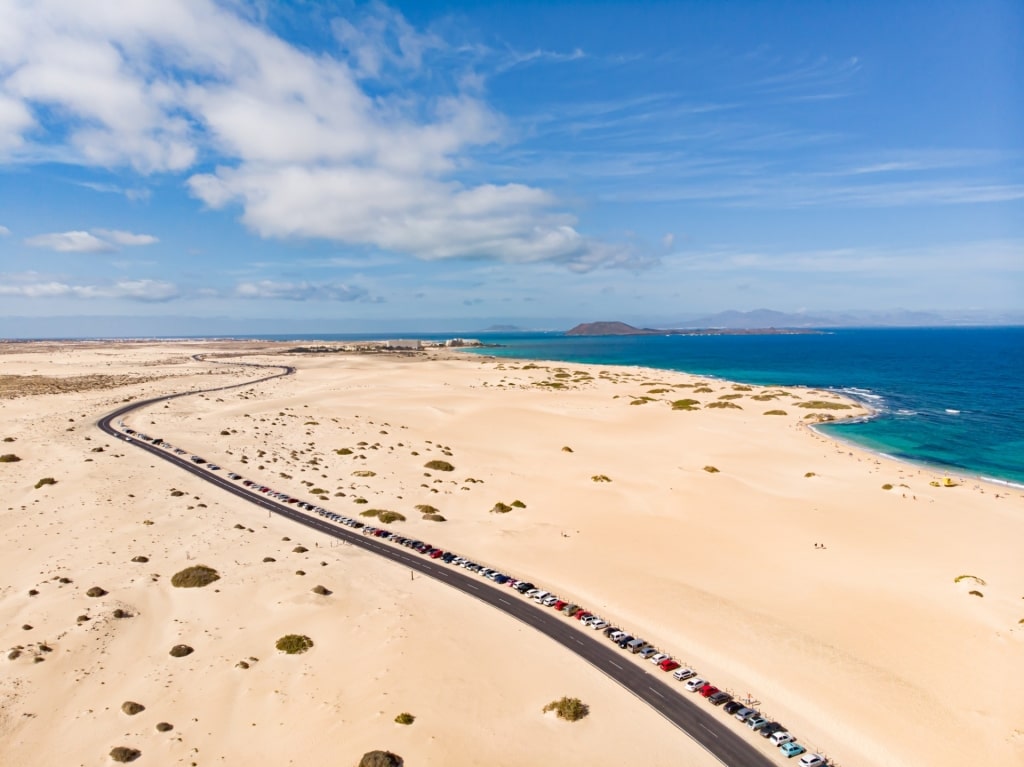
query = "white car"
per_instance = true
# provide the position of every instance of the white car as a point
(683, 674)
(812, 760)
(659, 657)
(600, 623)
(778, 738)
(695, 684)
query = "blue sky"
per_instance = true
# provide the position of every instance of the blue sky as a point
(438, 164)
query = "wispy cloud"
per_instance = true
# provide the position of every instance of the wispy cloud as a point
(301, 291)
(95, 241)
(4, 231)
(133, 290)
(135, 195)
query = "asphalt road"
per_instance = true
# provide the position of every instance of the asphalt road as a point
(687, 711)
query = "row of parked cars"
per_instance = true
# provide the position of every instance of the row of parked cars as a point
(775, 732)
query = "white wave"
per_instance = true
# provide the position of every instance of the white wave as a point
(1004, 482)
(903, 411)
(952, 412)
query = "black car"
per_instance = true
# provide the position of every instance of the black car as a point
(611, 630)
(770, 729)
(719, 698)
(732, 707)
(625, 641)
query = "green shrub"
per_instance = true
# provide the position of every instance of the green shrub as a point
(180, 651)
(294, 644)
(9, 458)
(343, 451)
(426, 508)
(720, 404)
(96, 591)
(132, 708)
(45, 481)
(368, 513)
(686, 404)
(439, 466)
(810, 474)
(570, 709)
(434, 518)
(775, 412)
(711, 469)
(763, 397)
(387, 517)
(818, 404)
(359, 500)
(519, 504)
(742, 387)
(703, 390)
(405, 718)
(600, 478)
(501, 508)
(731, 396)
(364, 473)
(973, 578)
(124, 754)
(975, 593)
(380, 759)
(164, 727)
(566, 449)
(321, 590)
(177, 493)
(194, 577)
(887, 486)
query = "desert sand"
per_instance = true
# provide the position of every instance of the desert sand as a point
(789, 574)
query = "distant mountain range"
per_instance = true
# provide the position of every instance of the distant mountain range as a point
(622, 329)
(768, 318)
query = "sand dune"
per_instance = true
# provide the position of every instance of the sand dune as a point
(866, 648)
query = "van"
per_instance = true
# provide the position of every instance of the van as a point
(540, 595)
(636, 645)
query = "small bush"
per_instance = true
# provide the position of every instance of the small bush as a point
(975, 593)
(196, 576)
(380, 759)
(119, 613)
(45, 481)
(731, 396)
(343, 451)
(321, 590)
(600, 478)
(973, 578)
(519, 504)
(164, 727)
(720, 404)
(140, 558)
(703, 390)
(364, 473)
(177, 493)
(775, 412)
(501, 508)
(810, 474)
(686, 404)
(9, 458)
(368, 513)
(387, 517)
(711, 469)
(269, 559)
(405, 718)
(132, 708)
(435, 518)
(294, 644)
(818, 404)
(439, 466)
(566, 449)
(887, 486)
(96, 591)
(180, 651)
(299, 550)
(359, 500)
(570, 709)
(741, 387)
(426, 508)
(124, 754)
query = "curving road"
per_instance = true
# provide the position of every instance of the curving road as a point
(687, 711)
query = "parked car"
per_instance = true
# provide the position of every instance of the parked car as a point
(719, 698)
(745, 713)
(668, 664)
(648, 652)
(813, 760)
(624, 640)
(708, 690)
(791, 749)
(559, 604)
(781, 737)
(732, 707)
(695, 684)
(609, 630)
(770, 729)
(684, 673)
(658, 657)
(756, 723)
(634, 646)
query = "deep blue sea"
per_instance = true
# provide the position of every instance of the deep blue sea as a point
(948, 397)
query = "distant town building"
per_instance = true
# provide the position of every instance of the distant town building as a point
(402, 343)
(462, 342)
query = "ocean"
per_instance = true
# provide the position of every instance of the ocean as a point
(952, 398)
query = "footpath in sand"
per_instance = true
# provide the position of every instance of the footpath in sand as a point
(789, 574)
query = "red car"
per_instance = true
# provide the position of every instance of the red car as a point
(668, 665)
(436, 553)
(582, 614)
(559, 605)
(708, 690)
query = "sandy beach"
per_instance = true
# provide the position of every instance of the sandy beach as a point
(817, 578)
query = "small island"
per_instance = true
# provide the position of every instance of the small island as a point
(622, 329)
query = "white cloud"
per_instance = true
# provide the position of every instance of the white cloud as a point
(301, 291)
(96, 241)
(136, 290)
(4, 231)
(119, 237)
(304, 147)
(70, 242)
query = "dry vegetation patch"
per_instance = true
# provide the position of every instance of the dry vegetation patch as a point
(196, 576)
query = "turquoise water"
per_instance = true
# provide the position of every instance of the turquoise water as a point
(948, 397)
